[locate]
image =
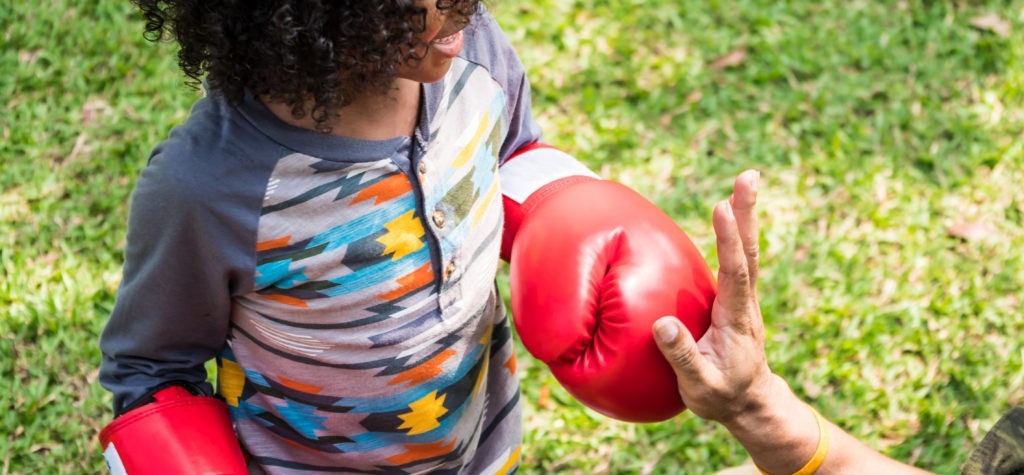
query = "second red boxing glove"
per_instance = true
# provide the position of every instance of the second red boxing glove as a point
(178, 433)
(593, 265)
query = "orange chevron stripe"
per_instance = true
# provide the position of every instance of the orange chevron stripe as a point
(424, 371)
(289, 301)
(414, 452)
(511, 364)
(409, 282)
(384, 190)
(300, 445)
(273, 244)
(301, 387)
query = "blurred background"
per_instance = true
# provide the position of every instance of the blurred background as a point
(889, 135)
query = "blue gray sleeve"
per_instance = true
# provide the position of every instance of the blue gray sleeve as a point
(491, 48)
(520, 177)
(522, 129)
(185, 258)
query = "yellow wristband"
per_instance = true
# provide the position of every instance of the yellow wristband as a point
(819, 453)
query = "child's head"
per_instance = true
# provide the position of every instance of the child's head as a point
(313, 55)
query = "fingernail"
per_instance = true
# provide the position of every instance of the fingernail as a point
(665, 331)
(754, 182)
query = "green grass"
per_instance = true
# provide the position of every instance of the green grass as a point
(878, 127)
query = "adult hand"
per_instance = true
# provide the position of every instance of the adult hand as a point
(725, 374)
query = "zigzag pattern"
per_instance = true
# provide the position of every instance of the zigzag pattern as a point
(356, 179)
(355, 352)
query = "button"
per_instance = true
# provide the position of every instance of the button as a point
(422, 168)
(439, 219)
(449, 269)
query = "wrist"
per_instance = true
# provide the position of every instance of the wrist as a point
(779, 431)
(766, 402)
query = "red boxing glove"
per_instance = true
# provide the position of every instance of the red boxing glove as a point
(594, 264)
(179, 433)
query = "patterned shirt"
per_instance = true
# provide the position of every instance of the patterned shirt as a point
(345, 287)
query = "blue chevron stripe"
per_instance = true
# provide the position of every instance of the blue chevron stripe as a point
(255, 377)
(280, 274)
(301, 417)
(377, 274)
(483, 177)
(247, 411)
(366, 224)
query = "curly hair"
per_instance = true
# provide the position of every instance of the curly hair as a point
(315, 54)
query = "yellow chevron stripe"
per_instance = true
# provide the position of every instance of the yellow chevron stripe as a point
(485, 203)
(230, 381)
(463, 157)
(511, 462)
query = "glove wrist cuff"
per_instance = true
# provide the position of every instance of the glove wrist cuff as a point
(178, 432)
(547, 191)
(531, 176)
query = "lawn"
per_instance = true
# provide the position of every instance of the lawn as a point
(889, 134)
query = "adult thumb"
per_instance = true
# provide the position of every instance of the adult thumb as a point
(679, 348)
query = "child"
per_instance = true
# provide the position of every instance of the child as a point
(327, 225)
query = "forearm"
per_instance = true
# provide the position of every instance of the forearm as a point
(782, 434)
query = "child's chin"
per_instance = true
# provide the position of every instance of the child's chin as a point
(427, 75)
